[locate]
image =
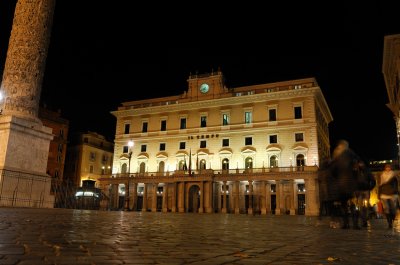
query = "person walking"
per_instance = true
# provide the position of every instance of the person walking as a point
(388, 193)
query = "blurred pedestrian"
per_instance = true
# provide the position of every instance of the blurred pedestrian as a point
(344, 169)
(388, 193)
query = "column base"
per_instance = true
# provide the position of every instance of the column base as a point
(250, 211)
(223, 210)
(237, 211)
(263, 210)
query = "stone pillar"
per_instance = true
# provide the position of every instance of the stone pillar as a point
(144, 208)
(134, 197)
(202, 194)
(174, 194)
(165, 198)
(237, 208)
(263, 198)
(154, 200)
(268, 197)
(312, 202)
(279, 191)
(26, 58)
(224, 202)
(181, 197)
(250, 209)
(293, 193)
(24, 141)
(208, 196)
(127, 198)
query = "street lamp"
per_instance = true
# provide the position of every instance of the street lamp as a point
(130, 145)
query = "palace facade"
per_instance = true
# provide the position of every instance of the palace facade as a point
(213, 149)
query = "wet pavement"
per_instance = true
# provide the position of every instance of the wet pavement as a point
(74, 237)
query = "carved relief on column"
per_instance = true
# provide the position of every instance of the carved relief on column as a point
(26, 57)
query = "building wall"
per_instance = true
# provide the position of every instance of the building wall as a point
(257, 99)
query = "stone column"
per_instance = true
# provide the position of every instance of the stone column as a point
(24, 141)
(126, 203)
(250, 209)
(202, 194)
(263, 198)
(165, 198)
(293, 193)
(268, 197)
(237, 208)
(278, 197)
(181, 197)
(174, 193)
(144, 208)
(311, 185)
(154, 200)
(26, 58)
(134, 197)
(224, 202)
(208, 196)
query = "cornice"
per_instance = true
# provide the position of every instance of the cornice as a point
(218, 102)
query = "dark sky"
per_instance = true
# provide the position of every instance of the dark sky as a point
(103, 53)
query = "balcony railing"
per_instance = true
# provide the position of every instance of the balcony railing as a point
(209, 172)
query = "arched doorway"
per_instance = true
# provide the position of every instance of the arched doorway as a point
(194, 199)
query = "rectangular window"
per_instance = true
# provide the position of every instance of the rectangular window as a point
(92, 156)
(298, 113)
(91, 169)
(225, 119)
(247, 117)
(163, 125)
(225, 142)
(273, 139)
(203, 121)
(127, 127)
(162, 147)
(203, 144)
(143, 148)
(183, 123)
(62, 133)
(144, 126)
(272, 114)
(248, 140)
(299, 137)
(182, 145)
(125, 149)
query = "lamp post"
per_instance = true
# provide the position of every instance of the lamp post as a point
(130, 145)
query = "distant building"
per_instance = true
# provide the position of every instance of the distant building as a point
(391, 73)
(58, 146)
(250, 149)
(89, 157)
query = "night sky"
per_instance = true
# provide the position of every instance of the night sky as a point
(103, 53)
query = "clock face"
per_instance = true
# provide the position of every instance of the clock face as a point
(204, 88)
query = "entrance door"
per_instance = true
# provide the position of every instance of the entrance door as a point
(301, 198)
(194, 199)
(273, 203)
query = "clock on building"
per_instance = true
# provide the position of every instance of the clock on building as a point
(204, 88)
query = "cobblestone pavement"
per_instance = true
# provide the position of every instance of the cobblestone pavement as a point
(74, 237)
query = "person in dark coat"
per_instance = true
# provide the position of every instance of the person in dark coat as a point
(343, 180)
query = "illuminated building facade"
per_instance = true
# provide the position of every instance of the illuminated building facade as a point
(214, 149)
(89, 157)
(391, 73)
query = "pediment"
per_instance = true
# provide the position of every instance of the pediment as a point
(248, 150)
(300, 146)
(162, 155)
(274, 147)
(225, 151)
